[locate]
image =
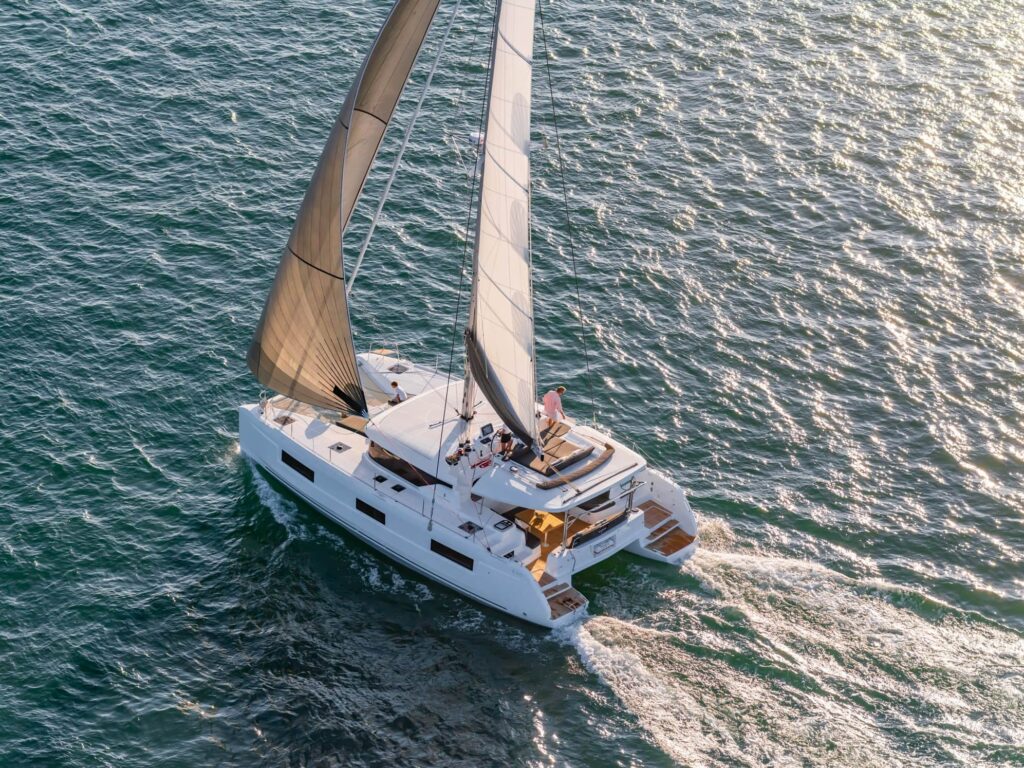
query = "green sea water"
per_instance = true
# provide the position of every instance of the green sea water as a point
(799, 228)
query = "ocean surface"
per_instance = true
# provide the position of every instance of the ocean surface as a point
(799, 228)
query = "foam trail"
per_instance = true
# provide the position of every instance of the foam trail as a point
(667, 712)
(716, 534)
(786, 662)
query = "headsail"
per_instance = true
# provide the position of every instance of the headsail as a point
(499, 339)
(303, 344)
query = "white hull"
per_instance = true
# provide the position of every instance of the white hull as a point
(406, 534)
(330, 468)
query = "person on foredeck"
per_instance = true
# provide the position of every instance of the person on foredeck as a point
(553, 406)
(400, 395)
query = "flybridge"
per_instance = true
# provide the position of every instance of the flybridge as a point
(418, 431)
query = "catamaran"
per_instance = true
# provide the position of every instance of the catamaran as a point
(424, 480)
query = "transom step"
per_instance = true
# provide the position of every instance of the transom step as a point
(554, 589)
(566, 601)
(665, 537)
(672, 542)
(654, 513)
(662, 530)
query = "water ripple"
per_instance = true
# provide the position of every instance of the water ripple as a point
(799, 227)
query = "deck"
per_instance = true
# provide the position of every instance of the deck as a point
(665, 535)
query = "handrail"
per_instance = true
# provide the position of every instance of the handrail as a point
(605, 478)
(598, 529)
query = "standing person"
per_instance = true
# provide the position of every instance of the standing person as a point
(400, 394)
(505, 444)
(553, 406)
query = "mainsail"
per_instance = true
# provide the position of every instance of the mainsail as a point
(303, 344)
(499, 338)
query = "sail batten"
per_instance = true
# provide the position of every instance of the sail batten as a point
(303, 344)
(499, 337)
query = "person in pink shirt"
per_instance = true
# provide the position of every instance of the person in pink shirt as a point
(553, 406)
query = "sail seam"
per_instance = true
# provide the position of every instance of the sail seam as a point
(370, 114)
(505, 171)
(516, 51)
(313, 266)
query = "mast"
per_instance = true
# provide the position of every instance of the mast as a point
(469, 385)
(303, 345)
(499, 335)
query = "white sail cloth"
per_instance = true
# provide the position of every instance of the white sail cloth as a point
(499, 339)
(303, 344)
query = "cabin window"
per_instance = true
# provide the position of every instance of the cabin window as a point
(451, 554)
(401, 467)
(297, 465)
(596, 502)
(369, 511)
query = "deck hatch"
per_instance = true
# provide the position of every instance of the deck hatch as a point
(456, 557)
(370, 511)
(297, 465)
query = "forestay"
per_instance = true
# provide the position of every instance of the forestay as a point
(499, 338)
(303, 344)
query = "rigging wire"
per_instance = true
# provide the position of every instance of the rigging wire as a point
(565, 203)
(462, 280)
(401, 149)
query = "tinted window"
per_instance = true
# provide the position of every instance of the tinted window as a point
(297, 465)
(451, 554)
(596, 502)
(373, 512)
(402, 468)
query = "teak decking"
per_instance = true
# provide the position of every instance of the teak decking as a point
(666, 536)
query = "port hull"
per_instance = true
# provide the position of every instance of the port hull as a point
(406, 535)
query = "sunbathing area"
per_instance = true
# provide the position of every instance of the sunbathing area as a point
(560, 455)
